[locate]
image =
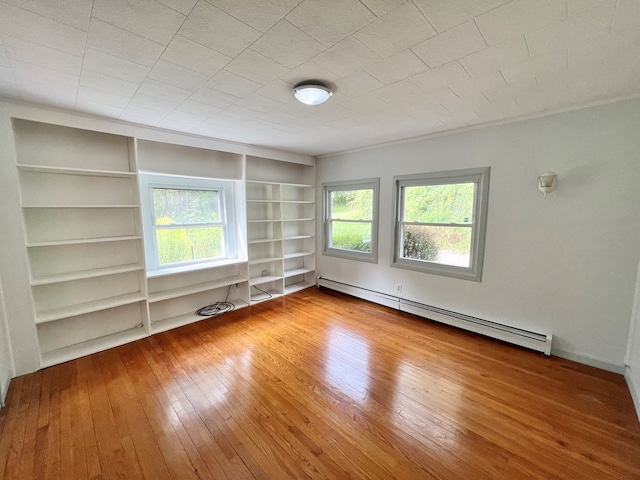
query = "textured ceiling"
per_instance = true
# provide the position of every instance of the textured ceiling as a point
(225, 68)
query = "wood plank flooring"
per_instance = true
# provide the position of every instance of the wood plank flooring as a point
(319, 385)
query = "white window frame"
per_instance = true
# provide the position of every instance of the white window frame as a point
(479, 176)
(226, 188)
(364, 184)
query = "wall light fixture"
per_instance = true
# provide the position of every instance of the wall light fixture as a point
(547, 182)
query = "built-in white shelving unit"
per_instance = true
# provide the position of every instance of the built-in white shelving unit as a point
(84, 241)
(80, 206)
(280, 218)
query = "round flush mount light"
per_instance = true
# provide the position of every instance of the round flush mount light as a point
(311, 92)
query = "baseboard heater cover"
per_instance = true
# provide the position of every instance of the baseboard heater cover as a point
(535, 341)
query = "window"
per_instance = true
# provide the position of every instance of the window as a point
(351, 219)
(187, 221)
(441, 222)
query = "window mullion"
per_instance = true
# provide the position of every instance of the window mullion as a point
(434, 224)
(349, 221)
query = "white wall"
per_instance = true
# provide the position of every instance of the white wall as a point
(564, 265)
(6, 360)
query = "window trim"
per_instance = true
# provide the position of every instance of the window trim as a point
(227, 188)
(479, 176)
(362, 184)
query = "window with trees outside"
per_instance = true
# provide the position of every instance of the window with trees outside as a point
(441, 221)
(187, 221)
(351, 219)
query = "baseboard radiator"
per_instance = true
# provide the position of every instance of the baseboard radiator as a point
(524, 338)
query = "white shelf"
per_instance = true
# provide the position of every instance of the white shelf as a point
(80, 206)
(296, 237)
(297, 271)
(80, 241)
(296, 287)
(303, 202)
(264, 220)
(89, 307)
(309, 219)
(76, 171)
(181, 320)
(297, 254)
(264, 260)
(261, 182)
(301, 185)
(263, 240)
(191, 289)
(266, 200)
(284, 184)
(91, 346)
(97, 272)
(266, 279)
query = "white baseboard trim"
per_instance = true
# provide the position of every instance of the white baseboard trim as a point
(589, 360)
(516, 336)
(4, 389)
(634, 389)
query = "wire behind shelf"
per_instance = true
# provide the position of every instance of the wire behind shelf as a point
(266, 293)
(217, 308)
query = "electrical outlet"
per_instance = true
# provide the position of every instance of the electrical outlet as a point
(398, 288)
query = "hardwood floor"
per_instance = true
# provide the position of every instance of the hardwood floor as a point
(318, 385)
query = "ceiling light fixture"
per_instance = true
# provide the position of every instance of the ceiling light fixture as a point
(312, 92)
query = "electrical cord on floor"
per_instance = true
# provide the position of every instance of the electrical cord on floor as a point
(217, 308)
(268, 295)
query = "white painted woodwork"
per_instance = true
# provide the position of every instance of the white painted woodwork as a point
(78, 193)
(6, 359)
(79, 199)
(280, 204)
(162, 157)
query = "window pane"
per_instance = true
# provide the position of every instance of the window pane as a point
(351, 236)
(444, 245)
(188, 244)
(352, 204)
(181, 206)
(451, 203)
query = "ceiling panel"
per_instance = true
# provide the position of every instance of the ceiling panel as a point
(398, 68)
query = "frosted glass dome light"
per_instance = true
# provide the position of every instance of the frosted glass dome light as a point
(312, 93)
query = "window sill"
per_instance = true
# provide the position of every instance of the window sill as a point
(439, 269)
(350, 255)
(193, 267)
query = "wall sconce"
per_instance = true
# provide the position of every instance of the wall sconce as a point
(547, 183)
